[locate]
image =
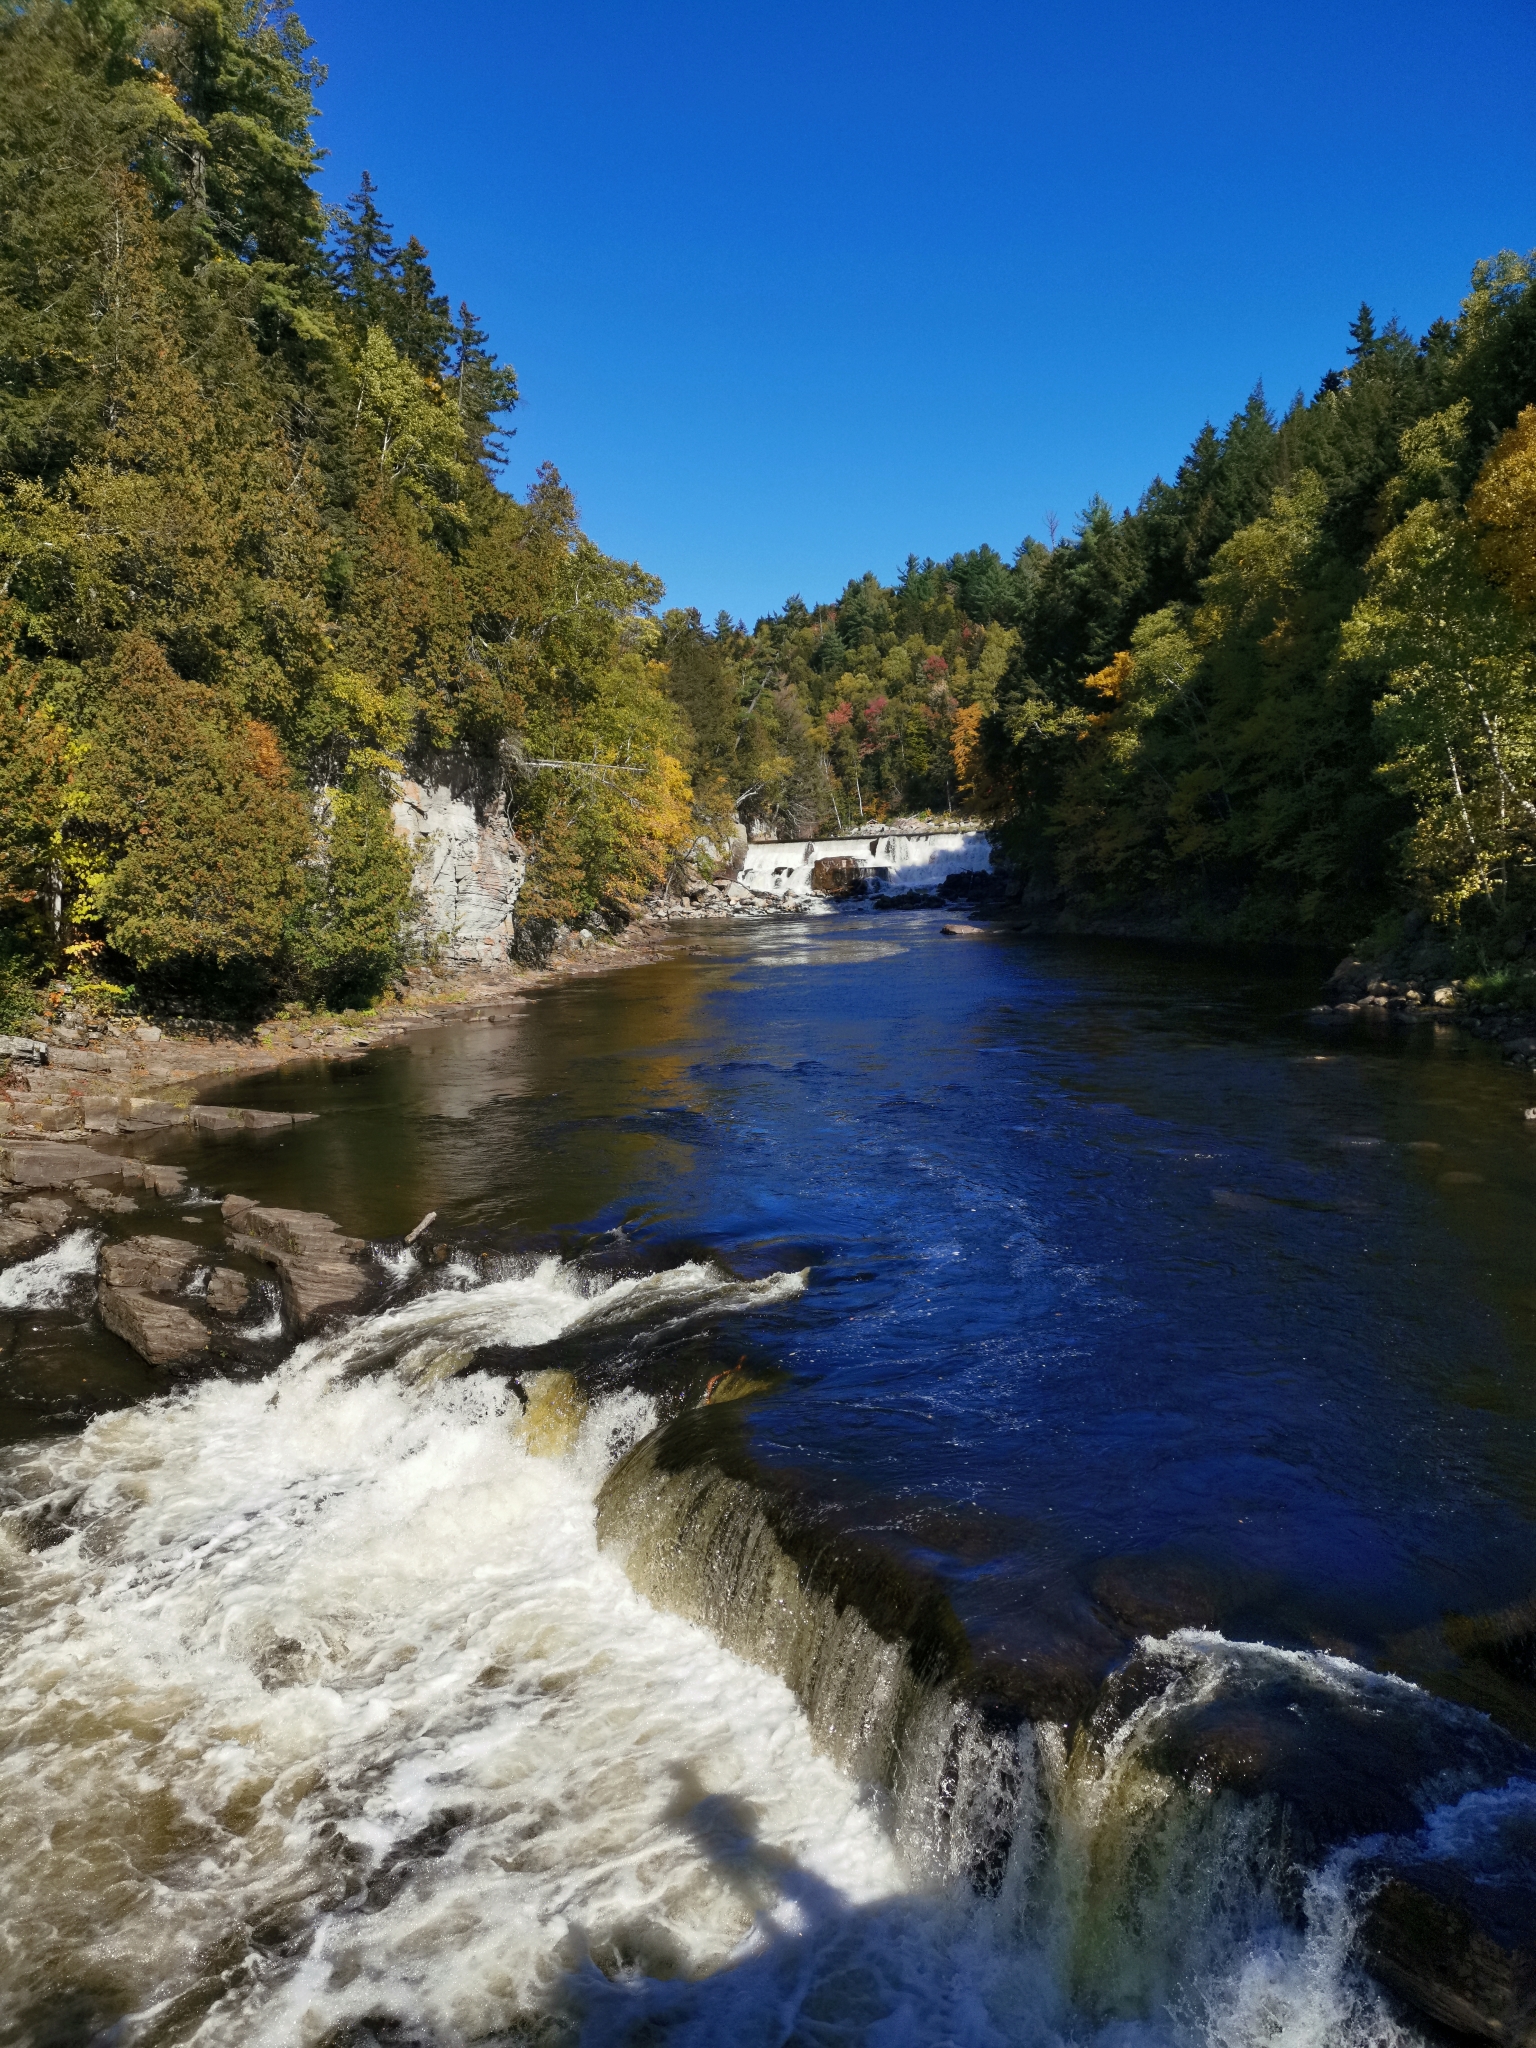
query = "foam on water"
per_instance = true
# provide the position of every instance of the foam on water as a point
(48, 1280)
(329, 1704)
(327, 1712)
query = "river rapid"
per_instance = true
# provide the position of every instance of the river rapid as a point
(935, 1491)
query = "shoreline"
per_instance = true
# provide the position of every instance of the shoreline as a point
(98, 1071)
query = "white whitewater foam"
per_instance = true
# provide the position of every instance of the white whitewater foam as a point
(48, 1280)
(330, 1710)
(920, 860)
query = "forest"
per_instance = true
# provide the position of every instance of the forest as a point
(255, 560)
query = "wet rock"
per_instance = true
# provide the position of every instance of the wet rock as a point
(149, 1265)
(105, 1202)
(56, 1166)
(164, 1180)
(162, 1332)
(837, 875)
(215, 1117)
(20, 1239)
(315, 1261)
(1338, 1763)
(1153, 1595)
(1459, 1947)
(1504, 1640)
(228, 1291)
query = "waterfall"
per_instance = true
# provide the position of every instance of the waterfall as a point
(890, 861)
(385, 1698)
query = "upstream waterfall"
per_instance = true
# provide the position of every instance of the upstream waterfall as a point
(890, 861)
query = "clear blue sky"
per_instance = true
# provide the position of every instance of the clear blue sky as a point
(793, 291)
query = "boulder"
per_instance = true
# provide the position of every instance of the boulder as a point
(315, 1261)
(149, 1265)
(31, 1051)
(837, 875)
(228, 1291)
(162, 1332)
(45, 1209)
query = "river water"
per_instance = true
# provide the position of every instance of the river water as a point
(1130, 1379)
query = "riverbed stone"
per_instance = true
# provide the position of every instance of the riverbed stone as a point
(316, 1262)
(228, 1291)
(162, 1332)
(149, 1265)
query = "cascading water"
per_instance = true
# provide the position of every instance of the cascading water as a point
(892, 861)
(329, 1720)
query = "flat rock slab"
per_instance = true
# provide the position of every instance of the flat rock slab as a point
(213, 1117)
(964, 931)
(316, 1263)
(32, 1050)
(57, 1166)
(149, 1265)
(162, 1332)
(20, 1239)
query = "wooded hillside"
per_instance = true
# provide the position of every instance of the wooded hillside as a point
(254, 557)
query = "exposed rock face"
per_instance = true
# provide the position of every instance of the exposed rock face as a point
(150, 1265)
(160, 1331)
(316, 1263)
(469, 865)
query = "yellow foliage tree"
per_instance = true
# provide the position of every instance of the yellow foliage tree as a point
(1502, 509)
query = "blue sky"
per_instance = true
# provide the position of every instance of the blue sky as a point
(794, 291)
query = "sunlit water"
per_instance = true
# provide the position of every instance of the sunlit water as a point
(1081, 1277)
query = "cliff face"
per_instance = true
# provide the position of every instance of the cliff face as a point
(469, 864)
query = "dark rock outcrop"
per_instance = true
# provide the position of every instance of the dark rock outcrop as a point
(838, 875)
(1458, 1948)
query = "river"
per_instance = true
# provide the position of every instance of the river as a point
(1116, 1380)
